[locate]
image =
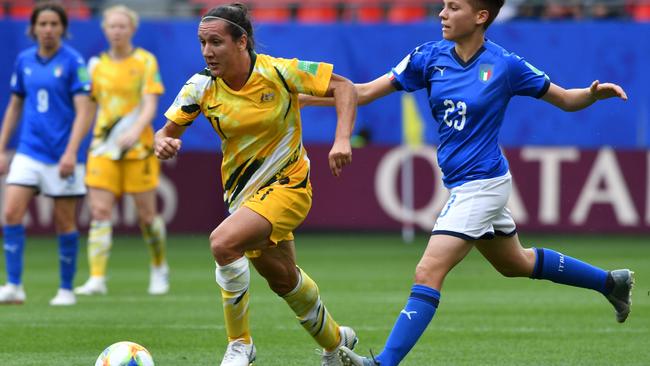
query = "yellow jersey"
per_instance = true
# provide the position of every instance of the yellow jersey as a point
(118, 87)
(259, 125)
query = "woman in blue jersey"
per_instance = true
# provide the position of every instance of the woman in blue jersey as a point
(49, 88)
(470, 81)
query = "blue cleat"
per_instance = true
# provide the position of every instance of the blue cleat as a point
(621, 295)
(350, 358)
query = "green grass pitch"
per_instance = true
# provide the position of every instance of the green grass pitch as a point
(483, 319)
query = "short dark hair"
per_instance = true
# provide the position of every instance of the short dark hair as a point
(492, 6)
(236, 13)
(51, 6)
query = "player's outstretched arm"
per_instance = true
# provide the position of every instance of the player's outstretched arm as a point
(572, 100)
(9, 122)
(345, 101)
(167, 142)
(367, 92)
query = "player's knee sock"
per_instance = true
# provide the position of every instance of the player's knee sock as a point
(99, 246)
(305, 302)
(234, 279)
(560, 268)
(68, 248)
(411, 323)
(155, 236)
(14, 246)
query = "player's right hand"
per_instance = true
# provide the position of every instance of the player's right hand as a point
(166, 147)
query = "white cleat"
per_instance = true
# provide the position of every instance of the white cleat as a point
(239, 353)
(159, 280)
(350, 358)
(64, 297)
(348, 339)
(621, 295)
(94, 286)
(12, 294)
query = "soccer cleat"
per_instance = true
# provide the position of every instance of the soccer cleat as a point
(64, 297)
(159, 280)
(12, 294)
(239, 353)
(94, 286)
(621, 295)
(349, 358)
(348, 340)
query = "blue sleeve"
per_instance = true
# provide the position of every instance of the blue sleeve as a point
(17, 82)
(409, 74)
(79, 78)
(525, 79)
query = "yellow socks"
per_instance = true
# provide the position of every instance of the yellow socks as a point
(99, 247)
(156, 238)
(305, 301)
(234, 279)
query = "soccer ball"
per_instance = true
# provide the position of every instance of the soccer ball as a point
(125, 354)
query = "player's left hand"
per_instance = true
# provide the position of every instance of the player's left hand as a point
(340, 155)
(606, 90)
(67, 164)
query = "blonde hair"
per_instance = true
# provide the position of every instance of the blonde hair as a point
(130, 13)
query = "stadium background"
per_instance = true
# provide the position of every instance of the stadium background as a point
(575, 172)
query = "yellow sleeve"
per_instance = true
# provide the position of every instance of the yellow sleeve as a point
(306, 77)
(187, 105)
(93, 64)
(152, 82)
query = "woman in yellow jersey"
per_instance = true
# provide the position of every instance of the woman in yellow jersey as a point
(125, 87)
(251, 100)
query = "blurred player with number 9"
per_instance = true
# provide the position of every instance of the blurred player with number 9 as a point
(49, 87)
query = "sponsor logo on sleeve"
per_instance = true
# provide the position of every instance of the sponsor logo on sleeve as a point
(308, 67)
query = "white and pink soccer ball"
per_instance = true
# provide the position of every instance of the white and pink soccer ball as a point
(125, 354)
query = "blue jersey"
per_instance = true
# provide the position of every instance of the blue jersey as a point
(468, 100)
(47, 87)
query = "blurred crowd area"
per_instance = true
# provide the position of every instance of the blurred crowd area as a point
(362, 11)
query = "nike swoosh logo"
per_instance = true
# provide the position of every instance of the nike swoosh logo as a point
(211, 107)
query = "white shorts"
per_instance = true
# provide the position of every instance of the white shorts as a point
(477, 210)
(45, 178)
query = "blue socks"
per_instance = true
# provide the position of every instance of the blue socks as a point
(14, 246)
(68, 248)
(559, 268)
(411, 323)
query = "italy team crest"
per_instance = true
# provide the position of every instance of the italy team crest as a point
(485, 72)
(58, 71)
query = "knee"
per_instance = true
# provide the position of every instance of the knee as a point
(424, 272)
(101, 212)
(234, 277)
(224, 247)
(12, 216)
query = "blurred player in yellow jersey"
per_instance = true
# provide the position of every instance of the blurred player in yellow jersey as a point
(125, 86)
(251, 100)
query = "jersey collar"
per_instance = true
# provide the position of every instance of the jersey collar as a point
(470, 61)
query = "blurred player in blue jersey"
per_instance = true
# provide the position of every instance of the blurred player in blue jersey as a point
(470, 81)
(49, 87)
